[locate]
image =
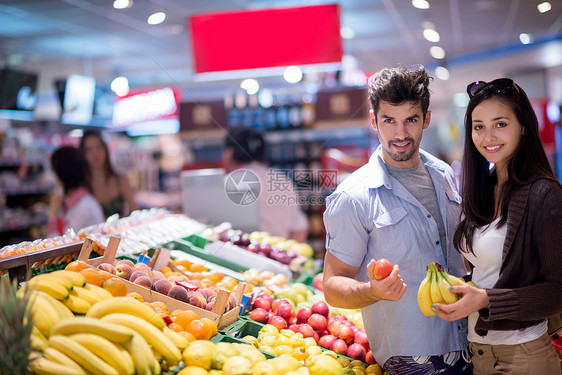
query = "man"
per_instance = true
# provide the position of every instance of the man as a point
(403, 206)
(279, 211)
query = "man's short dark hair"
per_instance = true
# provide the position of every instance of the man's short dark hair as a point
(399, 85)
(69, 167)
(247, 145)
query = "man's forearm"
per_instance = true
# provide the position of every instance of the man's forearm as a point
(347, 293)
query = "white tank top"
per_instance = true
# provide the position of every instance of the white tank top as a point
(487, 245)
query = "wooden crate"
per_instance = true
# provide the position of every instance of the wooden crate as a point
(221, 319)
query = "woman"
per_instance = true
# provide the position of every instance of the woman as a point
(113, 191)
(511, 233)
(76, 208)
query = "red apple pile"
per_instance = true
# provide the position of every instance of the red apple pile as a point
(336, 333)
(185, 291)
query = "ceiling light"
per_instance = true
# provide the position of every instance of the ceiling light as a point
(544, 7)
(292, 74)
(122, 4)
(156, 18)
(347, 32)
(250, 85)
(437, 52)
(120, 86)
(525, 38)
(442, 73)
(420, 4)
(431, 35)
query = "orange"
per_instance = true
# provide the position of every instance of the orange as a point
(105, 275)
(188, 336)
(159, 305)
(115, 286)
(93, 276)
(166, 270)
(136, 296)
(183, 317)
(175, 327)
(76, 266)
(182, 262)
(212, 325)
(197, 268)
(193, 370)
(199, 329)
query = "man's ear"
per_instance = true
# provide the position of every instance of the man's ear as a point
(427, 119)
(373, 119)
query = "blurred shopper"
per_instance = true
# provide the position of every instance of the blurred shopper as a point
(511, 233)
(279, 212)
(75, 208)
(113, 191)
(403, 206)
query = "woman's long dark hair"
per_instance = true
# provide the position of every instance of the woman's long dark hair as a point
(109, 171)
(528, 163)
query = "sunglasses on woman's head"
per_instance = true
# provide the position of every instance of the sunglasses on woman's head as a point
(502, 85)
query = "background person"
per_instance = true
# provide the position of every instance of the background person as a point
(511, 233)
(112, 191)
(279, 212)
(402, 206)
(75, 208)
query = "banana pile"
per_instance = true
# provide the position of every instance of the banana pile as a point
(435, 288)
(67, 287)
(117, 336)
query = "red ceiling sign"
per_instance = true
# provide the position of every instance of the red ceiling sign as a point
(266, 38)
(146, 105)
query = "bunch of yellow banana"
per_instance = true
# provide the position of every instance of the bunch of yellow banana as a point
(68, 287)
(435, 288)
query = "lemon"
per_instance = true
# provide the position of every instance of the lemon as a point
(199, 353)
(272, 330)
(193, 370)
(253, 354)
(287, 332)
(313, 350)
(237, 365)
(309, 341)
(252, 340)
(285, 363)
(265, 368)
(357, 363)
(283, 349)
(330, 353)
(374, 369)
(324, 365)
(284, 340)
(223, 351)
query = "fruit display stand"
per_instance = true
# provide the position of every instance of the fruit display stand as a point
(20, 266)
(221, 319)
(220, 252)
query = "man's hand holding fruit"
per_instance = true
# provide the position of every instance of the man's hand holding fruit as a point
(386, 283)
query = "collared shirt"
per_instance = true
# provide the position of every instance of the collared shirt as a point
(371, 215)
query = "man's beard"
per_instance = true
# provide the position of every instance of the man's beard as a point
(402, 156)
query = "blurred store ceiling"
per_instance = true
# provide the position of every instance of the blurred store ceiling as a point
(60, 37)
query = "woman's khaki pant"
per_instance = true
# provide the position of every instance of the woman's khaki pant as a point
(537, 357)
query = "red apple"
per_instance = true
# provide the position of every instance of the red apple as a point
(320, 307)
(355, 328)
(345, 333)
(268, 297)
(286, 311)
(305, 330)
(124, 270)
(356, 351)
(278, 302)
(369, 359)
(327, 341)
(317, 281)
(318, 322)
(278, 322)
(362, 339)
(262, 303)
(339, 346)
(333, 326)
(303, 314)
(259, 315)
(316, 336)
(382, 269)
(293, 327)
